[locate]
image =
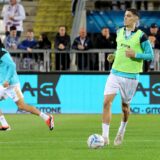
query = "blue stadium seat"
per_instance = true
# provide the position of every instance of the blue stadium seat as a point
(114, 19)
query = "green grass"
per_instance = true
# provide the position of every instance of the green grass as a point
(30, 139)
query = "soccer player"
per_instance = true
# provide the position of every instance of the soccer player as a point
(132, 48)
(10, 87)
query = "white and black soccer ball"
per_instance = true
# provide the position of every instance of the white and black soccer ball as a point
(95, 141)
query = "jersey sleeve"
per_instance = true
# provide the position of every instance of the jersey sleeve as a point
(147, 49)
(11, 67)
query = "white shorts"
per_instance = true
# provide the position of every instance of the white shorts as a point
(126, 86)
(13, 92)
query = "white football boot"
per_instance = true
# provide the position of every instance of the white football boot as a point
(119, 139)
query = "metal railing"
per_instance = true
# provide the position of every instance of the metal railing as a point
(70, 60)
(87, 60)
(37, 60)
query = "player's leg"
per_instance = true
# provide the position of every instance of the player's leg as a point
(106, 116)
(47, 118)
(4, 125)
(14, 92)
(127, 92)
(23, 106)
(110, 91)
(121, 131)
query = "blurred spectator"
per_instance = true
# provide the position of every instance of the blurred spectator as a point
(82, 43)
(62, 43)
(1, 44)
(103, 5)
(43, 42)
(105, 41)
(154, 36)
(142, 5)
(29, 43)
(13, 15)
(11, 41)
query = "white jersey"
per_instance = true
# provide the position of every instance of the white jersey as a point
(17, 11)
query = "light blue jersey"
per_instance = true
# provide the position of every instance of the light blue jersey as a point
(7, 68)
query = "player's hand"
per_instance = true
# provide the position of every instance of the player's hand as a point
(130, 53)
(5, 84)
(110, 58)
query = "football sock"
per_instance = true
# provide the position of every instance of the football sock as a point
(3, 121)
(44, 116)
(105, 130)
(122, 127)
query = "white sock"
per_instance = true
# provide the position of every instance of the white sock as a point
(105, 130)
(122, 127)
(3, 121)
(44, 116)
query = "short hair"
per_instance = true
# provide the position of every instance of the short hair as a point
(134, 11)
(13, 28)
(104, 28)
(62, 26)
(30, 30)
(154, 25)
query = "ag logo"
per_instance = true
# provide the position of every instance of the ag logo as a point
(153, 90)
(155, 86)
(46, 89)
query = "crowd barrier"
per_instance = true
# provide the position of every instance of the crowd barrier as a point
(73, 60)
(37, 60)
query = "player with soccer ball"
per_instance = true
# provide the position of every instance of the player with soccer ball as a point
(132, 48)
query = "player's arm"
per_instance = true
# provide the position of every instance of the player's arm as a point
(11, 67)
(146, 47)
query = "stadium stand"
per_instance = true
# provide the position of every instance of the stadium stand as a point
(51, 14)
(114, 19)
(47, 15)
(30, 9)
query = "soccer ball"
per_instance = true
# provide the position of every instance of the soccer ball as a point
(95, 141)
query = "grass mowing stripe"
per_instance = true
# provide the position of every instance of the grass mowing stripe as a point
(31, 139)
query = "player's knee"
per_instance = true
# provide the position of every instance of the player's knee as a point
(21, 105)
(107, 103)
(125, 108)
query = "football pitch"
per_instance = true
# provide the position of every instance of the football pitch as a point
(30, 139)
